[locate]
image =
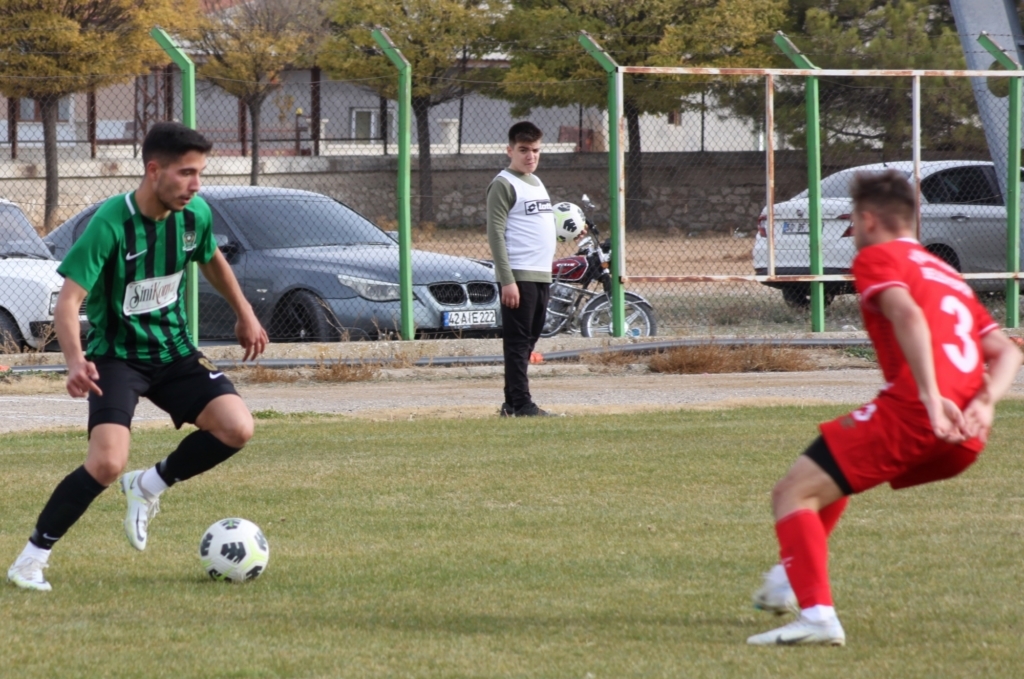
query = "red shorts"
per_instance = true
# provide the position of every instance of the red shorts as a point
(884, 442)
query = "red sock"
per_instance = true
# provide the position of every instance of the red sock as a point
(803, 551)
(830, 515)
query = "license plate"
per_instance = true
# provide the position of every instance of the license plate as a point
(796, 227)
(468, 319)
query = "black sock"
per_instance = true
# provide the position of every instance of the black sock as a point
(198, 452)
(69, 500)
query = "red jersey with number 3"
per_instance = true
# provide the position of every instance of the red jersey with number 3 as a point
(956, 319)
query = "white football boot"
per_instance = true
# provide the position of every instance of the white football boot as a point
(141, 510)
(776, 595)
(803, 632)
(27, 572)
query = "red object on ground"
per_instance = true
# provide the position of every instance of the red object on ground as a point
(536, 357)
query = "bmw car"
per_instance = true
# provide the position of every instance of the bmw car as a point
(316, 270)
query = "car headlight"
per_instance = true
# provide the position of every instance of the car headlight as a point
(378, 291)
(53, 302)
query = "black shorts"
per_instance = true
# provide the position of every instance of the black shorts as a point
(822, 455)
(181, 389)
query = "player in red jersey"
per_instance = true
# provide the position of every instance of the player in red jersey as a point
(929, 422)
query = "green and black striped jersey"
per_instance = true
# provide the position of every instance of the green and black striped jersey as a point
(132, 268)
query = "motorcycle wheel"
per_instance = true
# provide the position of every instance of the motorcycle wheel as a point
(596, 319)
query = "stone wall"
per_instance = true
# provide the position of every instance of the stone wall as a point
(691, 193)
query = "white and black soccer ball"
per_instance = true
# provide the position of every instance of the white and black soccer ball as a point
(570, 222)
(234, 550)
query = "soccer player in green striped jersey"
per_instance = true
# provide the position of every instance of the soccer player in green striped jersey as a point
(130, 262)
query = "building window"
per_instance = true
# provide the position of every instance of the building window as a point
(29, 111)
(675, 118)
(365, 123)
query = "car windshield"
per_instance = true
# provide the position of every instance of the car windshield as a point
(17, 237)
(303, 221)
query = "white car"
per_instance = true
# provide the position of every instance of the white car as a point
(963, 221)
(29, 283)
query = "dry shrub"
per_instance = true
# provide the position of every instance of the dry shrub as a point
(262, 375)
(712, 358)
(337, 371)
(610, 359)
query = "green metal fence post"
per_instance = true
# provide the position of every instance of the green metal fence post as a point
(1012, 179)
(616, 178)
(188, 119)
(382, 39)
(813, 177)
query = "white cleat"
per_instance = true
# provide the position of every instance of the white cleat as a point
(802, 632)
(140, 510)
(27, 573)
(776, 595)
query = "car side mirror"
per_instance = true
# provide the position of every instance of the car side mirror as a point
(227, 247)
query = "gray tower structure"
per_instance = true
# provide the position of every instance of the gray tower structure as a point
(999, 19)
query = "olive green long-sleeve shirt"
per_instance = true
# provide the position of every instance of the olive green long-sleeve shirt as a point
(500, 199)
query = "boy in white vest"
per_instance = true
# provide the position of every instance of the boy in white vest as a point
(521, 233)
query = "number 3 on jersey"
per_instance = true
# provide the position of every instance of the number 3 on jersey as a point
(965, 356)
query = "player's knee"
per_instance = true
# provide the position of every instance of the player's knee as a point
(236, 432)
(106, 471)
(781, 495)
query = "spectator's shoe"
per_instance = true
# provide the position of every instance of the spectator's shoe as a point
(802, 632)
(141, 510)
(776, 595)
(27, 573)
(528, 410)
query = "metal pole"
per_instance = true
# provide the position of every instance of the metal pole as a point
(769, 107)
(813, 177)
(188, 119)
(381, 37)
(916, 125)
(616, 178)
(1012, 179)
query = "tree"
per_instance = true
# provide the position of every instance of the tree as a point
(874, 114)
(51, 49)
(436, 36)
(249, 45)
(550, 69)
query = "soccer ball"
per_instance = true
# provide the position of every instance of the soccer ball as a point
(569, 222)
(234, 550)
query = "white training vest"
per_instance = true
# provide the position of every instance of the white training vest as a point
(530, 229)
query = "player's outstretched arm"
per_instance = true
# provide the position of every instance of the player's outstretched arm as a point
(1004, 360)
(250, 333)
(82, 374)
(915, 339)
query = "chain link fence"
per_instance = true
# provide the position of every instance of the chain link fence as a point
(305, 208)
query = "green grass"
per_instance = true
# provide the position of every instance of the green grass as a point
(620, 546)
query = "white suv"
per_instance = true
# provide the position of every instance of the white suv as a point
(29, 283)
(963, 221)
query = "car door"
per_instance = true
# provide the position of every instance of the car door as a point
(963, 218)
(216, 317)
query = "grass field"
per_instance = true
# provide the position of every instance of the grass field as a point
(607, 547)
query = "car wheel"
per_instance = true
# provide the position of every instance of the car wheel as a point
(304, 317)
(11, 341)
(798, 296)
(946, 254)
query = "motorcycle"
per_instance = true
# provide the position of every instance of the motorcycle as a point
(580, 298)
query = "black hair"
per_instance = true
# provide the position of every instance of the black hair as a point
(524, 131)
(888, 194)
(167, 142)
